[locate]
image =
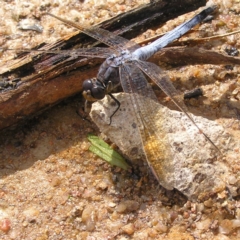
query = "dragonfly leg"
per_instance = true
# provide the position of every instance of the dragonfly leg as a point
(82, 113)
(118, 106)
(87, 106)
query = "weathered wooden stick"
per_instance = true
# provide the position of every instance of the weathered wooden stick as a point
(193, 55)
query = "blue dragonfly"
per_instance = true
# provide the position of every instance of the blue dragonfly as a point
(126, 65)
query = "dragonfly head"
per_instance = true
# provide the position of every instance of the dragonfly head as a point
(93, 90)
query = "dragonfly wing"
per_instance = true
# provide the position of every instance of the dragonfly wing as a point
(94, 52)
(116, 42)
(153, 135)
(163, 81)
(99, 52)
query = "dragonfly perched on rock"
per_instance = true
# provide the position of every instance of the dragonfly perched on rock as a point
(126, 65)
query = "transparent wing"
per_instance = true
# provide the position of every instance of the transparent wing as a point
(102, 35)
(82, 52)
(153, 135)
(99, 52)
(91, 52)
(163, 81)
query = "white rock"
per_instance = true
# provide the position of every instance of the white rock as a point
(183, 158)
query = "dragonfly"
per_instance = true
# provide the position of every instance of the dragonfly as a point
(125, 64)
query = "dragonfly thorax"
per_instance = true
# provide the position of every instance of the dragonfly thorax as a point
(122, 58)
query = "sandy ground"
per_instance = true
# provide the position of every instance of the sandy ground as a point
(51, 187)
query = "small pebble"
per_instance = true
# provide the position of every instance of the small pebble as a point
(121, 208)
(173, 215)
(127, 206)
(186, 215)
(203, 225)
(232, 180)
(102, 185)
(128, 229)
(152, 233)
(161, 228)
(87, 213)
(25, 224)
(112, 204)
(5, 225)
(209, 203)
(187, 205)
(200, 207)
(76, 211)
(225, 226)
(89, 218)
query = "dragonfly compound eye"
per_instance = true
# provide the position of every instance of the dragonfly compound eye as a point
(98, 92)
(87, 85)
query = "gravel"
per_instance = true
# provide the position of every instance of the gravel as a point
(51, 187)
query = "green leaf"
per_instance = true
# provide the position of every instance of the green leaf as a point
(103, 150)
